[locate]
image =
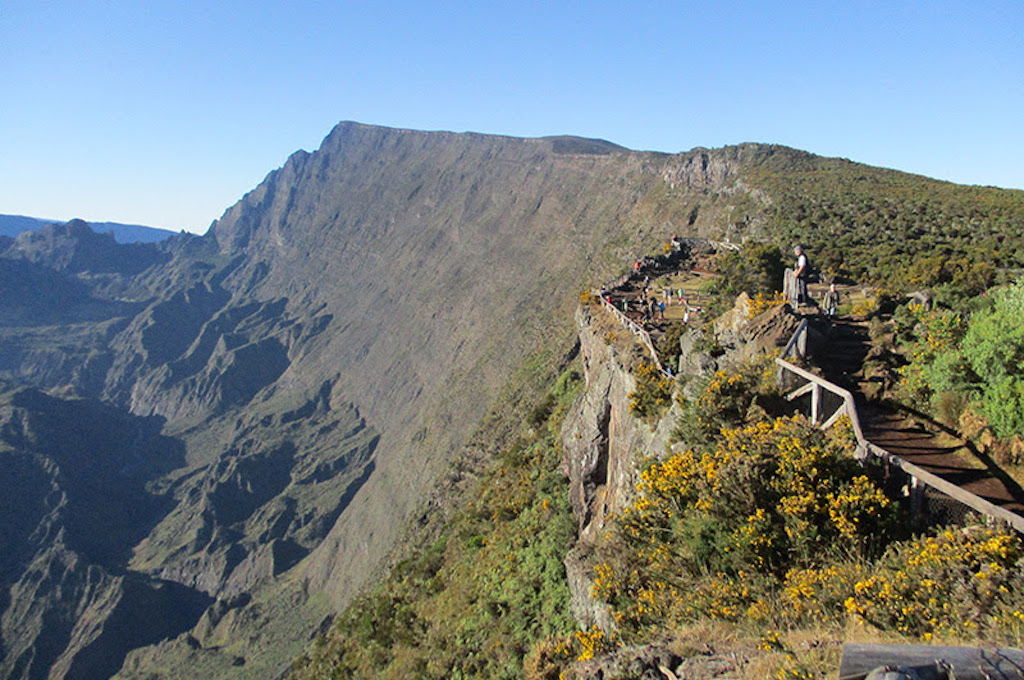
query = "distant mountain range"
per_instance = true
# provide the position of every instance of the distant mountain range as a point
(12, 225)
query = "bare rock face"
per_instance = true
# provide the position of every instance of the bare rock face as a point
(602, 439)
(603, 443)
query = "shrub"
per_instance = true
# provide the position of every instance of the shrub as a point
(712, 533)
(960, 583)
(953, 361)
(757, 269)
(994, 348)
(762, 302)
(653, 393)
(724, 400)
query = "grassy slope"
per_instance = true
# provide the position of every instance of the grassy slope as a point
(487, 591)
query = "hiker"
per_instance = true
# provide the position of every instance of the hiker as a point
(831, 300)
(800, 273)
(661, 309)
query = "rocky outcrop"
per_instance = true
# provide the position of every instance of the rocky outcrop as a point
(604, 443)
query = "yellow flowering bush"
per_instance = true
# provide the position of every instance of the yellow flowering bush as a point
(725, 400)
(960, 583)
(761, 303)
(711, 533)
(591, 643)
(819, 593)
(653, 393)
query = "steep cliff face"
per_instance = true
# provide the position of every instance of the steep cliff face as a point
(603, 440)
(605, 444)
(315, 362)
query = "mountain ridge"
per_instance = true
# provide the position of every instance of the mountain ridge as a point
(13, 225)
(357, 321)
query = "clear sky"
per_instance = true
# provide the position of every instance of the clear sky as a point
(165, 112)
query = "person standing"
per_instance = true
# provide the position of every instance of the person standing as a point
(800, 273)
(831, 301)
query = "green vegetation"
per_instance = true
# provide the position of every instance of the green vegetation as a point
(875, 225)
(653, 393)
(724, 400)
(490, 593)
(755, 269)
(968, 365)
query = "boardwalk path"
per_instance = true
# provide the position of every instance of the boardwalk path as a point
(911, 436)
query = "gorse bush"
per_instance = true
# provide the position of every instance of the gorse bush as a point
(723, 400)
(762, 302)
(714, 533)
(960, 583)
(653, 393)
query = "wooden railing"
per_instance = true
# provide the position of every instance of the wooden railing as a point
(817, 387)
(643, 336)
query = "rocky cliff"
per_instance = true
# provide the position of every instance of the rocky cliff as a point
(606, 444)
(312, 364)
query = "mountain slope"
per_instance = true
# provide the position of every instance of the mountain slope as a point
(318, 360)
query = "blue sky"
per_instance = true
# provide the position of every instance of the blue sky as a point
(166, 112)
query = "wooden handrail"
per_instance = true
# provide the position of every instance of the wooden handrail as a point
(644, 336)
(969, 499)
(817, 383)
(848, 402)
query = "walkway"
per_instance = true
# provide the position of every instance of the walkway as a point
(911, 436)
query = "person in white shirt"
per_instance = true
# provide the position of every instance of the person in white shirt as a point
(800, 274)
